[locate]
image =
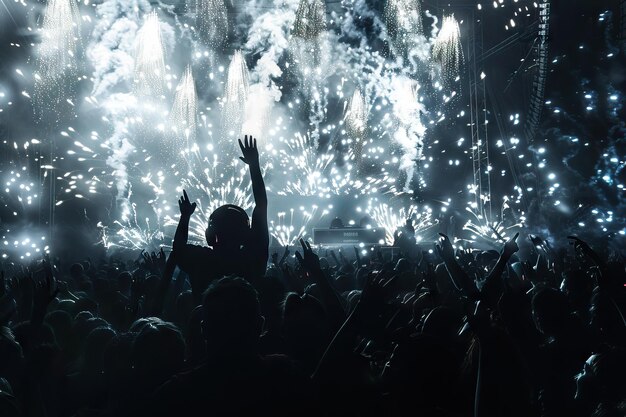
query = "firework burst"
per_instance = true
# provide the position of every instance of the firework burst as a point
(492, 230)
(306, 170)
(290, 226)
(391, 219)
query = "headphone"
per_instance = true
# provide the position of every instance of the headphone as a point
(228, 218)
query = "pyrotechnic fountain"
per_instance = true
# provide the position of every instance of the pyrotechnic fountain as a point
(309, 49)
(356, 122)
(235, 97)
(409, 130)
(150, 59)
(57, 59)
(310, 20)
(211, 22)
(447, 49)
(184, 111)
(403, 19)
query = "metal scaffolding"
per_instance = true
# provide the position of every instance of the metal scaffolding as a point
(479, 120)
(539, 83)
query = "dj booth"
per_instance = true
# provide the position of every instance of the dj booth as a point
(345, 239)
(349, 236)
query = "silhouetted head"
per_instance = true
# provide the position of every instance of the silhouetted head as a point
(577, 286)
(229, 227)
(93, 355)
(305, 328)
(231, 317)
(602, 378)
(124, 280)
(551, 311)
(336, 223)
(303, 316)
(77, 271)
(61, 323)
(158, 352)
(30, 339)
(139, 324)
(367, 221)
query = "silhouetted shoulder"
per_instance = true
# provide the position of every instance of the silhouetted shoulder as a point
(193, 259)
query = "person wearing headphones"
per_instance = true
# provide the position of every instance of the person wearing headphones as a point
(236, 247)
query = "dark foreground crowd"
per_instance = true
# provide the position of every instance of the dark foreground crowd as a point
(225, 331)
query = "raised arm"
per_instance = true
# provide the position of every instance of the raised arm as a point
(329, 297)
(182, 231)
(259, 215)
(167, 272)
(459, 278)
(493, 286)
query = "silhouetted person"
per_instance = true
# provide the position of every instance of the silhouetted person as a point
(236, 247)
(336, 223)
(235, 380)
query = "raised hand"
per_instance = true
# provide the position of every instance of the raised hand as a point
(358, 256)
(249, 151)
(511, 247)
(334, 255)
(153, 262)
(376, 291)
(444, 248)
(285, 255)
(536, 241)
(186, 207)
(584, 248)
(44, 292)
(466, 257)
(161, 260)
(310, 261)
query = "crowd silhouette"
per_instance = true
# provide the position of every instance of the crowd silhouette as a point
(228, 330)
